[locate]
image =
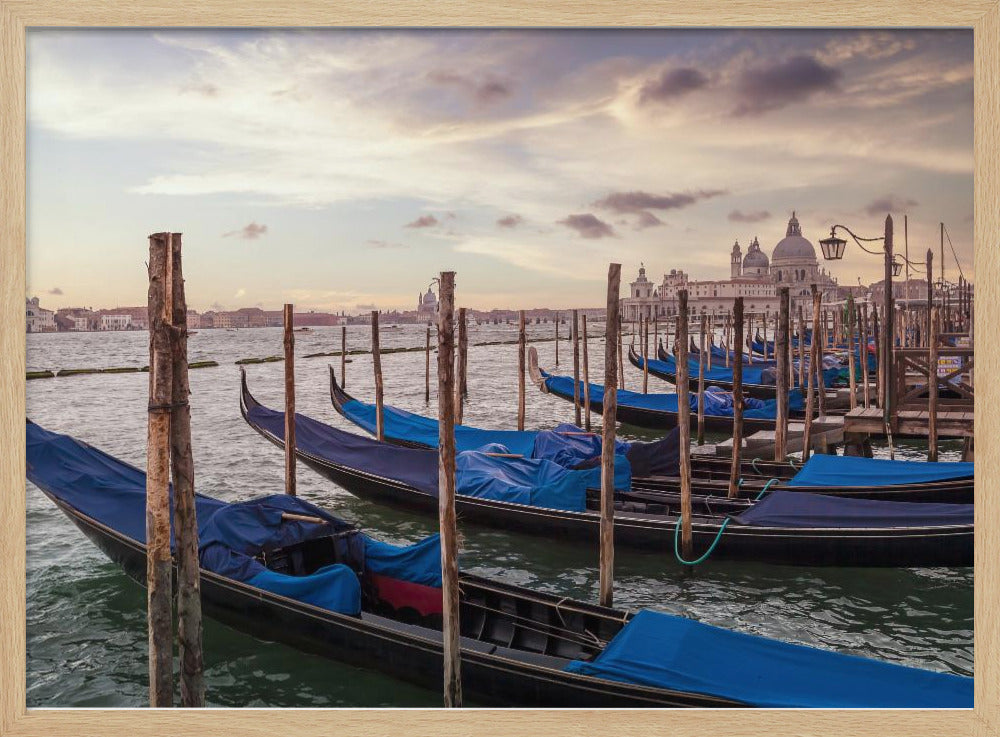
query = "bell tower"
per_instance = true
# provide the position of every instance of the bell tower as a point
(736, 261)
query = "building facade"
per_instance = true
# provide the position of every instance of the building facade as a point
(116, 322)
(37, 318)
(753, 276)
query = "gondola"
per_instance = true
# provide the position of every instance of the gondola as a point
(655, 466)
(656, 411)
(282, 569)
(783, 527)
(665, 368)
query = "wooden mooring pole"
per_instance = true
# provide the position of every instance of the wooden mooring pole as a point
(377, 366)
(343, 355)
(863, 352)
(289, 344)
(621, 360)
(734, 468)
(557, 339)
(576, 368)
(701, 380)
(446, 492)
(781, 340)
(802, 349)
(932, 384)
(684, 421)
(461, 362)
(427, 367)
(851, 343)
(521, 348)
(811, 375)
(608, 420)
(189, 627)
(586, 376)
(644, 343)
(158, 561)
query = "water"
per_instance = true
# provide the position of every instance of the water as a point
(86, 626)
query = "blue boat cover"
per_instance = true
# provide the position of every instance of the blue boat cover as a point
(512, 480)
(230, 535)
(717, 403)
(795, 509)
(832, 470)
(667, 651)
(759, 372)
(566, 445)
(402, 425)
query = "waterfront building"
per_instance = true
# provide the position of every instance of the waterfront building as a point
(37, 318)
(116, 322)
(427, 304)
(753, 276)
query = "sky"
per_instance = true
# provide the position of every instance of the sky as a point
(343, 169)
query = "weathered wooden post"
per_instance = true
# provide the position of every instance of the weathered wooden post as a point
(889, 329)
(930, 289)
(734, 469)
(158, 561)
(521, 348)
(932, 385)
(765, 318)
(621, 360)
(427, 367)
(821, 337)
(289, 344)
(377, 366)
(811, 376)
(750, 338)
(461, 362)
(608, 420)
(781, 341)
(729, 336)
(446, 492)
(576, 369)
(863, 352)
(586, 376)
(877, 335)
(802, 349)
(851, 342)
(343, 355)
(557, 339)
(701, 381)
(189, 627)
(644, 342)
(684, 421)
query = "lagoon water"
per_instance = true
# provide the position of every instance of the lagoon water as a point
(86, 623)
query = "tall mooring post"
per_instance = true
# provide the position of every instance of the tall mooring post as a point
(734, 469)
(377, 367)
(576, 368)
(684, 421)
(586, 376)
(521, 348)
(608, 428)
(446, 492)
(289, 345)
(781, 341)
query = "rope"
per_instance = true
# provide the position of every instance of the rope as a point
(753, 465)
(707, 553)
(764, 490)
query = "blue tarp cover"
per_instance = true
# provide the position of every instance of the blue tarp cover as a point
(715, 406)
(230, 535)
(566, 444)
(666, 651)
(796, 509)
(832, 470)
(403, 425)
(758, 372)
(512, 480)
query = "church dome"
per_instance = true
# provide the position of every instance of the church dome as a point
(793, 247)
(755, 258)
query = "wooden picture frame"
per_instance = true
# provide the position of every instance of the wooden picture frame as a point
(18, 15)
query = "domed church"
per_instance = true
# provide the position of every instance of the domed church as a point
(753, 276)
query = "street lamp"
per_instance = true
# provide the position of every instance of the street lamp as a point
(833, 247)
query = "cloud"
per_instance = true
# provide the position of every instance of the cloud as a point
(510, 221)
(756, 216)
(424, 221)
(647, 220)
(484, 92)
(250, 232)
(889, 203)
(633, 202)
(241, 292)
(774, 86)
(217, 307)
(383, 244)
(588, 225)
(368, 307)
(671, 84)
(55, 290)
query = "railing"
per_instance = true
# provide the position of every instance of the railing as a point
(914, 377)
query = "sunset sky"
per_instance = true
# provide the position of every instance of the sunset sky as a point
(342, 169)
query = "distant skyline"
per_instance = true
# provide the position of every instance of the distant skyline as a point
(343, 169)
